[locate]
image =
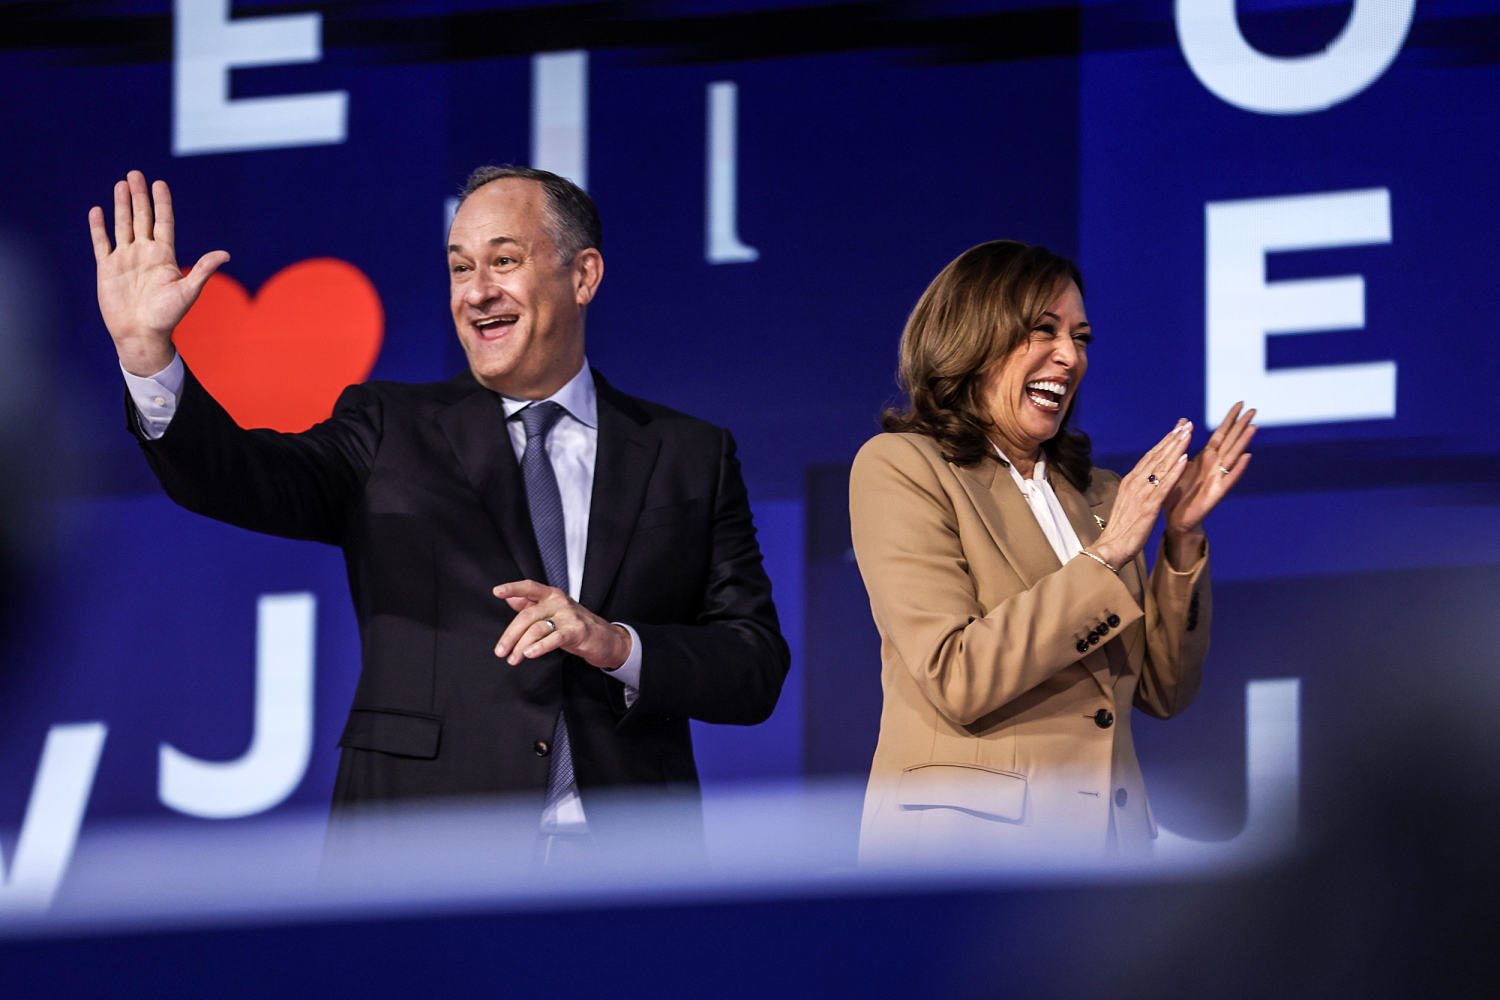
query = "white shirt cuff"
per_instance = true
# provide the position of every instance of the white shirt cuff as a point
(155, 396)
(629, 672)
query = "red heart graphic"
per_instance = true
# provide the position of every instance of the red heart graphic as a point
(281, 359)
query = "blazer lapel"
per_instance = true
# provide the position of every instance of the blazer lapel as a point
(1081, 510)
(475, 428)
(627, 452)
(1009, 520)
(1088, 515)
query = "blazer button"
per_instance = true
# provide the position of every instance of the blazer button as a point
(1104, 718)
(1120, 797)
(1114, 621)
(540, 748)
(1093, 638)
(1083, 645)
(1102, 628)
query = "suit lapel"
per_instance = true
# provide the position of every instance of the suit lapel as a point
(1088, 513)
(1081, 510)
(475, 428)
(1009, 520)
(626, 455)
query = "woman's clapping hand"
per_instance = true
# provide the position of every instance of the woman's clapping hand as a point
(1165, 480)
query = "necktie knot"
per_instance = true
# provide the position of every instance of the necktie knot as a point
(538, 418)
(542, 495)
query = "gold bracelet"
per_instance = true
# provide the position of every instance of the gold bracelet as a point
(1099, 560)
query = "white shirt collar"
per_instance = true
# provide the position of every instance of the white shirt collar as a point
(1038, 472)
(577, 396)
(1045, 508)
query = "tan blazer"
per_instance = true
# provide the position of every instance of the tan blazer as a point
(1009, 678)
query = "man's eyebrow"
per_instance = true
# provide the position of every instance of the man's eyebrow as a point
(493, 241)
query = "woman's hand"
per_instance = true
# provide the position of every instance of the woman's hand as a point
(1141, 496)
(1211, 474)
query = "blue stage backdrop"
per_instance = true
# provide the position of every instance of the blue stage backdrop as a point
(1285, 201)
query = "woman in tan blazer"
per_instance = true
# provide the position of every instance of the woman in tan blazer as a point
(1018, 623)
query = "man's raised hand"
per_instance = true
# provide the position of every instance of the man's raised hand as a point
(143, 294)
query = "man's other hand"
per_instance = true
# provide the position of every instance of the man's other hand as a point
(548, 619)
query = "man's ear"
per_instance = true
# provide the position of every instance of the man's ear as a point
(588, 271)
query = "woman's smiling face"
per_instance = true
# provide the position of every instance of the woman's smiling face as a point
(1029, 391)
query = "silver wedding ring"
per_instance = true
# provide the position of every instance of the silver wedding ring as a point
(551, 625)
(1223, 471)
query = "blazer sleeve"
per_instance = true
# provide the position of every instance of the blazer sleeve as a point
(1179, 605)
(968, 660)
(292, 485)
(728, 665)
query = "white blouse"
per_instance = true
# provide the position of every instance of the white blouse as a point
(1045, 508)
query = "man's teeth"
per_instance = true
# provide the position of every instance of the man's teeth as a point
(1046, 393)
(494, 321)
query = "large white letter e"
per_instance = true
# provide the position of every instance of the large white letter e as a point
(1243, 308)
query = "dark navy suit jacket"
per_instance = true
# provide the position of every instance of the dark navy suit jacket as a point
(419, 486)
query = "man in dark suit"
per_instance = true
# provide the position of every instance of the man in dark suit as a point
(551, 577)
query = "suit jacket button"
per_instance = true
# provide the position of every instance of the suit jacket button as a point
(1104, 718)
(1093, 638)
(1120, 797)
(1102, 628)
(1114, 621)
(540, 748)
(1083, 645)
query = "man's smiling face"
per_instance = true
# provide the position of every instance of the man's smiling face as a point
(518, 308)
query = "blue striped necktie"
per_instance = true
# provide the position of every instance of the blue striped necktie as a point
(545, 503)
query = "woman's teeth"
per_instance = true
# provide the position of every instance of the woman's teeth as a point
(1046, 393)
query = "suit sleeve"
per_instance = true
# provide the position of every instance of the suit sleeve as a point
(292, 485)
(1178, 607)
(968, 660)
(729, 664)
